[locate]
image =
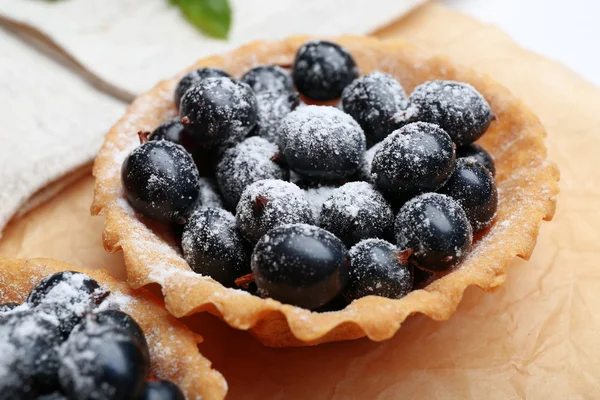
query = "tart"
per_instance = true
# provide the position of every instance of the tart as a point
(527, 186)
(173, 347)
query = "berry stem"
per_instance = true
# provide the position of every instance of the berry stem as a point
(245, 280)
(286, 65)
(404, 256)
(259, 205)
(143, 135)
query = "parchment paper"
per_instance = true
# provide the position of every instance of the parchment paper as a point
(537, 337)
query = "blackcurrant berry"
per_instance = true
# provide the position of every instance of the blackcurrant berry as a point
(219, 111)
(300, 264)
(456, 107)
(268, 78)
(101, 362)
(252, 160)
(415, 159)
(270, 203)
(122, 322)
(29, 348)
(53, 396)
(434, 232)
(162, 390)
(375, 269)
(66, 296)
(323, 69)
(477, 153)
(213, 247)
(193, 78)
(174, 131)
(378, 103)
(322, 142)
(160, 180)
(472, 185)
(272, 107)
(356, 211)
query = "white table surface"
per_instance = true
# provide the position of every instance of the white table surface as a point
(566, 31)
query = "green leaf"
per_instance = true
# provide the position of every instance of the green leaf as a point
(213, 17)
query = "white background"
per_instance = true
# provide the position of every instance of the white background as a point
(568, 31)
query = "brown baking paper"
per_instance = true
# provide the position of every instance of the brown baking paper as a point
(536, 337)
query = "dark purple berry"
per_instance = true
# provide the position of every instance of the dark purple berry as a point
(378, 103)
(53, 396)
(66, 296)
(270, 203)
(472, 185)
(250, 161)
(272, 107)
(193, 78)
(174, 131)
(433, 231)
(99, 361)
(160, 180)
(219, 111)
(376, 270)
(422, 278)
(477, 153)
(415, 159)
(456, 107)
(323, 69)
(300, 264)
(122, 322)
(213, 247)
(29, 348)
(269, 78)
(322, 142)
(162, 390)
(356, 211)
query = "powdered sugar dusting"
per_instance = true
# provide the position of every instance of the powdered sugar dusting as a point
(316, 197)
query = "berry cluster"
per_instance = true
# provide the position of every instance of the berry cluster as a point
(310, 203)
(67, 342)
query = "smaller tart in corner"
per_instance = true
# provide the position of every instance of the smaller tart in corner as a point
(173, 347)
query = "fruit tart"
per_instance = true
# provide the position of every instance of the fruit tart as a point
(314, 190)
(70, 333)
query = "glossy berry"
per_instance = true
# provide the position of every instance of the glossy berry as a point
(219, 111)
(322, 70)
(29, 348)
(378, 103)
(376, 270)
(162, 390)
(322, 142)
(456, 107)
(99, 362)
(268, 78)
(174, 131)
(270, 203)
(193, 78)
(473, 186)
(356, 211)
(477, 153)
(250, 161)
(434, 231)
(66, 296)
(160, 180)
(122, 322)
(272, 107)
(415, 159)
(422, 278)
(213, 247)
(300, 264)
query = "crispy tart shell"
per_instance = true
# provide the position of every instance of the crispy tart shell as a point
(173, 347)
(527, 184)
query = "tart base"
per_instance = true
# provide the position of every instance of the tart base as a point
(173, 347)
(527, 184)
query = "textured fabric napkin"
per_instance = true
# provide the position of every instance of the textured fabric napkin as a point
(53, 122)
